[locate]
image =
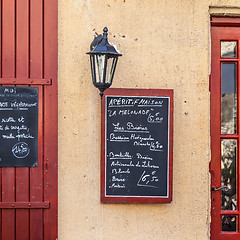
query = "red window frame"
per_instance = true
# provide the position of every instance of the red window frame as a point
(222, 29)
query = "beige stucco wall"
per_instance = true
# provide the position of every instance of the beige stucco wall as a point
(166, 45)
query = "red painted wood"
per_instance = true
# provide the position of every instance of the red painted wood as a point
(22, 71)
(50, 119)
(136, 92)
(225, 21)
(36, 180)
(215, 130)
(8, 70)
(22, 39)
(24, 81)
(36, 71)
(222, 29)
(29, 56)
(8, 38)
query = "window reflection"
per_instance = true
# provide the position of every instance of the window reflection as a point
(228, 98)
(229, 223)
(228, 49)
(228, 174)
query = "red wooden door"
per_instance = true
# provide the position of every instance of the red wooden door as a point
(225, 128)
(28, 49)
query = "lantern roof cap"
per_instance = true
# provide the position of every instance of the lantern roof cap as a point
(103, 47)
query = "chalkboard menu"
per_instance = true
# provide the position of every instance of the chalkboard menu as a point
(137, 151)
(18, 126)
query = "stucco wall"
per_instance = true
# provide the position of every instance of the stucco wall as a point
(165, 44)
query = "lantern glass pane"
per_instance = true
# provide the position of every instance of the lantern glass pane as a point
(99, 67)
(92, 68)
(111, 66)
(108, 70)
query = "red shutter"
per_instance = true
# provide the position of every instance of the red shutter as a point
(28, 48)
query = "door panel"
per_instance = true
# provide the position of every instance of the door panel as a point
(36, 71)
(8, 71)
(225, 133)
(22, 61)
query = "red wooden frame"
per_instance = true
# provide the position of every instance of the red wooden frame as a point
(137, 92)
(222, 29)
(28, 50)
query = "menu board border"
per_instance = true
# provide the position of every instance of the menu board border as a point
(21, 162)
(122, 92)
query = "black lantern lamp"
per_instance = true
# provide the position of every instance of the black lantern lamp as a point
(103, 58)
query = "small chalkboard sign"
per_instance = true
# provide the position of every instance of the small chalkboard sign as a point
(18, 126)
(137, 130)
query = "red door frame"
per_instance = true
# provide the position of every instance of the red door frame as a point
(221, 29)
(28, 50)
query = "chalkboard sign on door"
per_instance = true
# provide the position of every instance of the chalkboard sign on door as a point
(136, 154)
(18, 126)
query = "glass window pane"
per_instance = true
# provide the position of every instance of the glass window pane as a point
(228, 174)
(228, 98)
(228, 49)
(229, 223)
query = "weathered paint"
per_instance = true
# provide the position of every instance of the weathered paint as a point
(28, 30)
(166, 45)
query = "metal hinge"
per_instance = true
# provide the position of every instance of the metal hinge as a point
(24, 205)
(25, 81)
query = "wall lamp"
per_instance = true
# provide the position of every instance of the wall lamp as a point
(103, 58)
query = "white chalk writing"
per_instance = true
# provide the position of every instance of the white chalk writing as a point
(136, 130)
